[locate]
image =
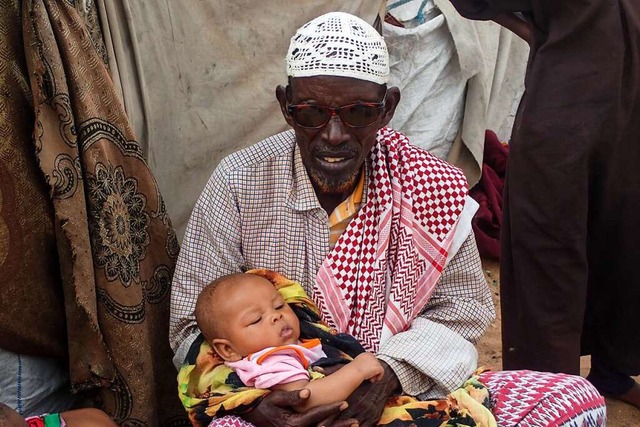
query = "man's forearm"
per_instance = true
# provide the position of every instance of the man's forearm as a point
(367, 402)
(391, 381)
(439, 366)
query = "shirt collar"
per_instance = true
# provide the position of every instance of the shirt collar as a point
(302, 196)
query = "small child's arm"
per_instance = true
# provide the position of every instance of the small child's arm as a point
(339, 385)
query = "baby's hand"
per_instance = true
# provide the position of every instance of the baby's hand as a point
(370, 367)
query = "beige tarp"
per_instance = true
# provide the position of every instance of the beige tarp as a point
(198, 79)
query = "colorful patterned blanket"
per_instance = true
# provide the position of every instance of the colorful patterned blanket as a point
(209, 389)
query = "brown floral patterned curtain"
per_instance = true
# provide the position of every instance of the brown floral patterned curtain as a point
(108, 248)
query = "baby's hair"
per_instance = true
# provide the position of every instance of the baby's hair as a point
(207, 305)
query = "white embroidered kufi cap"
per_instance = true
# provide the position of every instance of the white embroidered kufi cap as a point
(338, 44)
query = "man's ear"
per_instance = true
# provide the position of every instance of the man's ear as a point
(391, 102)
(282, 96)
(225, 350)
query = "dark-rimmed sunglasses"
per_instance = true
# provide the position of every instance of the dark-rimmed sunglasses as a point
(356, 115)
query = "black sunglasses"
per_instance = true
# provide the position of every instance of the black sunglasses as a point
(356, 115)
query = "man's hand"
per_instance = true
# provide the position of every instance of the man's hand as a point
(481, 10)
(276, 410)
(501, 12)
(367, 402)
(369, 366)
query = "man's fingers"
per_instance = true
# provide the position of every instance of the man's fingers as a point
(304, 394)
(287, 399)
(349, 422)
(331, 421)
(328, 422)
(316, 416)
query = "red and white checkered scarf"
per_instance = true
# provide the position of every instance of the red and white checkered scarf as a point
(386, 264)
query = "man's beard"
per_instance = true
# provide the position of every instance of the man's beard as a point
(333, 184)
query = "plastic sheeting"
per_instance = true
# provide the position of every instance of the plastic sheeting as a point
(198, 79)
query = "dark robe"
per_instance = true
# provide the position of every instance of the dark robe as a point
(571, 228)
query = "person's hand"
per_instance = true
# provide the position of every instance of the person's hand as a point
(10, 418)
(367, 402)
(369, 366)
(481, 10)
(276, 410)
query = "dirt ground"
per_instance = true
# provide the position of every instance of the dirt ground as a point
(619, 414)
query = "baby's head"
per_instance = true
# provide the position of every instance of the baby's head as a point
(243, 313)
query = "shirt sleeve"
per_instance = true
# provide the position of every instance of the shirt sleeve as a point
(437, 353)
(211, 248)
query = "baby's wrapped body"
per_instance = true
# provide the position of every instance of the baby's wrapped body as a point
(209, 387)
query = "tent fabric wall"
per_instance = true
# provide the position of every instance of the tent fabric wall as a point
(198, 78)
(457, 77)
(494, 60)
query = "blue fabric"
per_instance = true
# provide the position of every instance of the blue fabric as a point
(34, 385)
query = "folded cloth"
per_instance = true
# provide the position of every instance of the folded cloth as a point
(488, 193)
(46, 420)
(208, 388)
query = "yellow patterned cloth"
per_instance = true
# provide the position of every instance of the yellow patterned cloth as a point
(209, 389)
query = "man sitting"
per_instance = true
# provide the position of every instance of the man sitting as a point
(376, 230)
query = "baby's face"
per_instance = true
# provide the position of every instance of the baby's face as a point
(256, 316)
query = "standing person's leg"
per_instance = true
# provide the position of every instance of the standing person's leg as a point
(577, 89)
(611, 334)
(544, 262)
(612, 383)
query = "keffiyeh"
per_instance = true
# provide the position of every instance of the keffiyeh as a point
(386, 264)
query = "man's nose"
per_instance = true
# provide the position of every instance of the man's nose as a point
(335, 132)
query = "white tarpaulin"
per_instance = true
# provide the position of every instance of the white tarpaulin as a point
(198, 79)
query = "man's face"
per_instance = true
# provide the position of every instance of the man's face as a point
(333, 154)
(255, 316)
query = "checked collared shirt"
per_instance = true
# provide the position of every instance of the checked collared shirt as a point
(259, 210)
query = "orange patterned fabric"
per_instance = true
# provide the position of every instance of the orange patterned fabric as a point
(345, 211)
